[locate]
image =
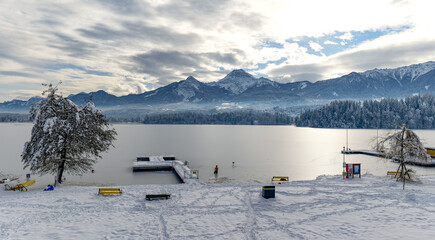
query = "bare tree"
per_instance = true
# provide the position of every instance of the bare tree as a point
(404, 146)
(65, 137)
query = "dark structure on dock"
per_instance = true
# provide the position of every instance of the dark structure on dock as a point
(380, 154)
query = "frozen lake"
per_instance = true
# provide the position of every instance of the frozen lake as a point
(259, 152)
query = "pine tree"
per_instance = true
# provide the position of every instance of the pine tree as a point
(404, 146)
(65, 137)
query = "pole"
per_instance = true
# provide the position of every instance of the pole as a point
(402, 162)
(344, 163)
(347, 139)
(377, 138)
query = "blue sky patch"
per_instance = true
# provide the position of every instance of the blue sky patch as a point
(269, 44)
(264, 65)
(326, 45)
(341, 41)
(151, 85)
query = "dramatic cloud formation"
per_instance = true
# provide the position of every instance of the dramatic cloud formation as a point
(137, 45)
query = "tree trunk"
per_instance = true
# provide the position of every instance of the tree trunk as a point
(402, 157)
(61, 166)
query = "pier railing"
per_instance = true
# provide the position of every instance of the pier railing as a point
(192, 174)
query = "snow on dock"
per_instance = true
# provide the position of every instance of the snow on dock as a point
(158, 163)
(380, 154)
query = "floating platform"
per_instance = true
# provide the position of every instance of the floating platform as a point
(423, 164)
(156, 158)
(380, 154)
(430, 151)
(365, 152)
(161, 163)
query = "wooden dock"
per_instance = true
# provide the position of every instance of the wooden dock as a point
(156, 158)
(160, 163)
(380, 154)
(422, 164)
(365, 152)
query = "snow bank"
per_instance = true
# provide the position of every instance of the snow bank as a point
(326, 208)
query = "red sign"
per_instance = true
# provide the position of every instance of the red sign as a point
(349, 170)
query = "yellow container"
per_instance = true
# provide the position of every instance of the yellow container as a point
(431, 151)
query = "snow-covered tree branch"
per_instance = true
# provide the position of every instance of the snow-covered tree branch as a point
(404, 146)
(65, 137)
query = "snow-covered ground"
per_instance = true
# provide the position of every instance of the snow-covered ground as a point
(326, 208)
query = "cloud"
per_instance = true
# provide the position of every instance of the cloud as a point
(137, 31)
(301, 72)
(126, 7)
(72, 46)
(345, 37)
(171, 65)
(198, 13)
(13, 73)
(366, 57)
(248, 21)
(57, 67)
(395, 55)
(329, 42)
(315, 46)
(113, 45)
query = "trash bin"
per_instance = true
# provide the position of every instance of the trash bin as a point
(268, 192)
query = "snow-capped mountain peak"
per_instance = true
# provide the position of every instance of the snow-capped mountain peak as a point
(190, 82)
(238, 73)
(188, 88)
(238, 81)
(191, 79)
(407, 73)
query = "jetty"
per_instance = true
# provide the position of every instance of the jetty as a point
(365, 152)
(381, 154)
(169, 163)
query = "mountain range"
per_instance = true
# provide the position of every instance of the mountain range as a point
(241, 88)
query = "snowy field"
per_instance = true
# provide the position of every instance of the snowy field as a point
(326, 208)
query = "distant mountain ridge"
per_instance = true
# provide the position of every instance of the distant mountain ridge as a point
(241, 87)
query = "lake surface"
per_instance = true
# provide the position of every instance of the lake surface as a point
(259, 152)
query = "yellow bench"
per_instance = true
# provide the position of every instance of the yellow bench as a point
(109, 191)
(279, 179)
(431, 151)
(390, 173)
(20, 186)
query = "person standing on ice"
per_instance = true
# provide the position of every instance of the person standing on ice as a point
(216, 169)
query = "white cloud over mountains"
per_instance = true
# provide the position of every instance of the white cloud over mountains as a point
(127, 46)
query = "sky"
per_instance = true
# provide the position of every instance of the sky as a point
(134, 46)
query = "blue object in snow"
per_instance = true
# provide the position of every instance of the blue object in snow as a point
(49, 188)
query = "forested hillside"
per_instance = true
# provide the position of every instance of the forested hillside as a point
(224, 118)
(14, 117)
(417, 112)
